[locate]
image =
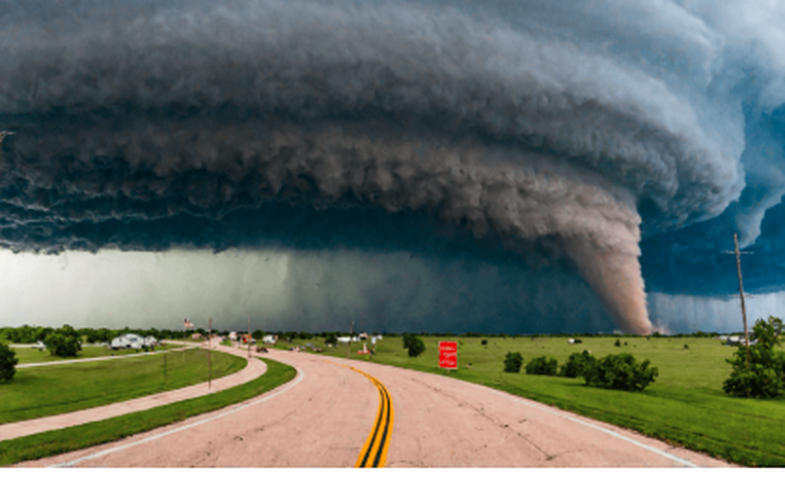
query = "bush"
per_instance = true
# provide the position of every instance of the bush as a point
(513, 362)
(577, 363)
(543, 365)
(331, 339)
(620, 371)
(765, 376)
(484, 342)
(8, 362)
(413, 344)
(617, 343)
(64, 342)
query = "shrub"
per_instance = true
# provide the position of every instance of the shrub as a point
(543, 365)
(620, 371)
(484, 342)
(617, 343)
(331, 339)
(8, 362)
(765, 376)
(64, 342)
(513, 362)
(413, 344)
(577, 363)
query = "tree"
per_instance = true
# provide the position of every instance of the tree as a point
(331, 339)
(413, 344)
(543, 365)
(484, 342)
(577, 363)
(64, 342)
(513, 362)
(7, 362)
(764, 376)
(620, 371)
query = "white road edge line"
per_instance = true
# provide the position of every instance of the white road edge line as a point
(604, 430)
(300, 377)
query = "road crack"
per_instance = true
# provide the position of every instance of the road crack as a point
(481, 411)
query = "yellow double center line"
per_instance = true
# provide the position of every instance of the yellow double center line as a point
(374, 451)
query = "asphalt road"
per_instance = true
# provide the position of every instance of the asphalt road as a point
(334, 416)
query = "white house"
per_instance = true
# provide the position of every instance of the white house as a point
(130, 341)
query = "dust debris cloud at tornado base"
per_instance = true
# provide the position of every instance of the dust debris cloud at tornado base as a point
(546, 162)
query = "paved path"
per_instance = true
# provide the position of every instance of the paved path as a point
(254, 369)
(323, 419)
(102, 358)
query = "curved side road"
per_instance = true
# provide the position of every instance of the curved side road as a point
(254, 369)
(102, 358)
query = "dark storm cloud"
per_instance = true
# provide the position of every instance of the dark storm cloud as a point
(153, 125)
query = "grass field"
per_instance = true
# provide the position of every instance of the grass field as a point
(78, 437)
(48, 390)
(29, 355)
(685, 405)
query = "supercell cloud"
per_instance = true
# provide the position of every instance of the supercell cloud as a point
(561, 135)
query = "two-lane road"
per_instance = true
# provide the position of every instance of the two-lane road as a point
(335, 416)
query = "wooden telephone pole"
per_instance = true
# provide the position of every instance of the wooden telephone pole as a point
(249, 336)
(741, 293)
(349, 349)
(209, 354)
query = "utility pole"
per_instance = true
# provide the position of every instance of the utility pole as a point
(349, 344)
(249, 336)
(741, 293)
(210, 354)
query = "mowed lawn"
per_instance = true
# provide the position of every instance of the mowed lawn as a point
(48, 390)
(685, 405)
(29, 355)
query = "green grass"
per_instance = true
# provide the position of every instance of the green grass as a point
(685, 405)
(48, 390)
(29, 355)
(79, 437)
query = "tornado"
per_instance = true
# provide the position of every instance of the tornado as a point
(130, 118)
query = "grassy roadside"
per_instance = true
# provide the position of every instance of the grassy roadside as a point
(79, 437)
(48, 390)
(684, 406)
(28, 355)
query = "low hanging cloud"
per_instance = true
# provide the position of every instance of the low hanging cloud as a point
(137, 121)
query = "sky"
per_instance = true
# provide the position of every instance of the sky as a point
(441, 166)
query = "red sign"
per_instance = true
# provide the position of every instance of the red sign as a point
(448, 354)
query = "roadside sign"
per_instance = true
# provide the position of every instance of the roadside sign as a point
(448, 354)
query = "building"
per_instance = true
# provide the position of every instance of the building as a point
(132, 341)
